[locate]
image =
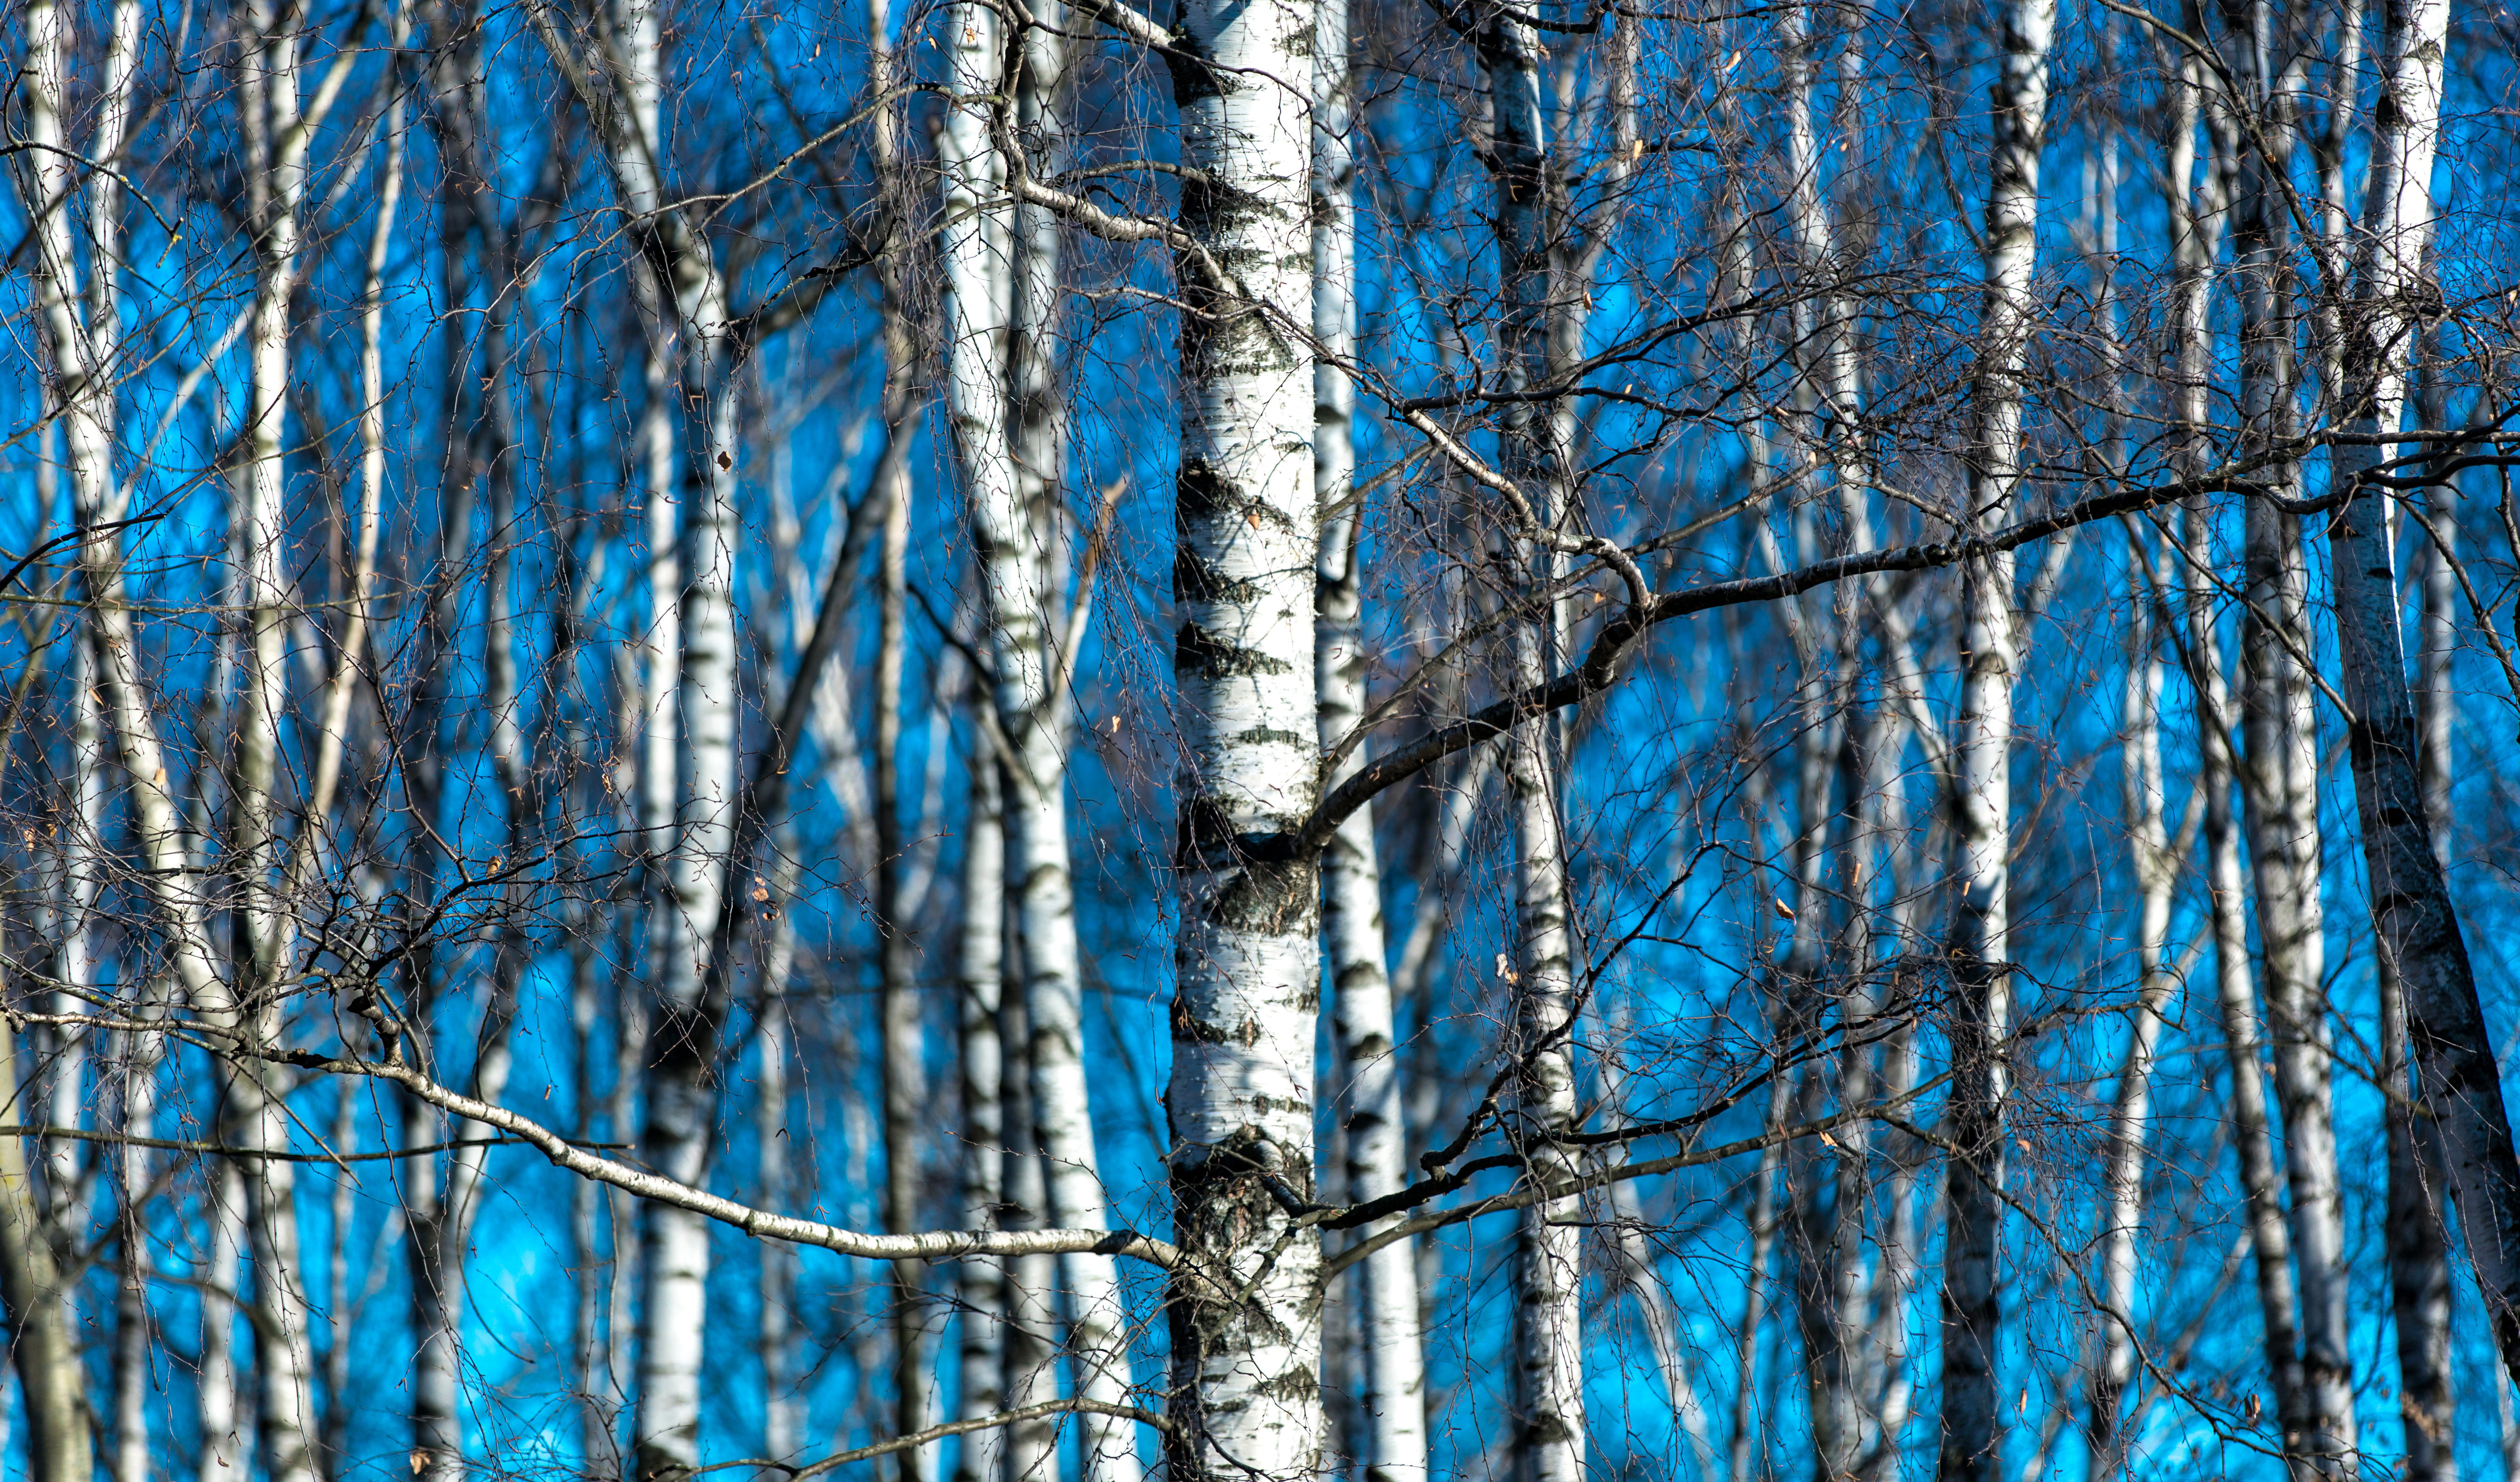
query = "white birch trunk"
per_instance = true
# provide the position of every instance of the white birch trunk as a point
(223, 1447)
(2198, 222)
(902, 1071)
(51, 1375)
(1246, 1398)
(779, 1404)
(1982, 745)
(1666, 1335)
(82, 333)
(278, 133)
(132, 1321)
(1745, 1449)
(687, 322)
(2281, 775)
(1830, 1185)
(981, 971)
(2155, 866)
(1031, 1372)
(1391, 1406)
(1005, 424)
(441, 1220)
(1547, 1354)
(1889, 1383)
(2269, 1237)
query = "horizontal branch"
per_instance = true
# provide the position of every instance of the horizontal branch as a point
(1016, 1417)
(760, 1224)
(579, 1159)
(1621, 635)
(221, 1150)
(1526, 1195)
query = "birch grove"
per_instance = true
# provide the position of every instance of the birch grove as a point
(1369, 739)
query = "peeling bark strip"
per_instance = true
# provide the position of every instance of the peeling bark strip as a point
(1245, 1364)
(2458, 1088)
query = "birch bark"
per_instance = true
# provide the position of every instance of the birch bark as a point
(2197, 224)
(1548, 1357)
(440, 1215)
(1246, 955)
(2156, 865)
(36, 1293)
(1031, 1375)
(1391, 1405)
(83, 335)
(1006, 425)
(1011, 429)
(902, 1069)
(2270, 1237)
(982, 969)
(279, 124)
(685, 301)
(977, 251)
(779, 1405)
(1982, 741)
(2280, 761)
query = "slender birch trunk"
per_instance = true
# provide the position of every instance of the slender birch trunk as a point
(441, 1216)
(2269, 1237)
(1829, 1186)
(688, 351)
(82, 333)
(139, 1052)
(1889, 1379)
(1009, 419)
(224, 1450)
(1391, 1406)
(1005, 422)
(2419, 928)
(1744, 1451)
(2281, 767)
(2196, 220)
(2417, 1236)
(982, 1279)
(1027, 543)
(903, 1068)
(37, 1292)
(979, 306)
(1982, 744)
(779, 1405)
(2415, 1229)
(279, 128)
(1548, 1357)
(2155, 866)
(133, 1325)
(1032, 1353)
(1246, 955)
(1635, 1269)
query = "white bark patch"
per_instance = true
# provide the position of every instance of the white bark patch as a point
(1247, 962)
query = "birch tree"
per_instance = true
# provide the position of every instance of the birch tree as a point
(1982, 745)
(403, 795)
(2412, 910)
